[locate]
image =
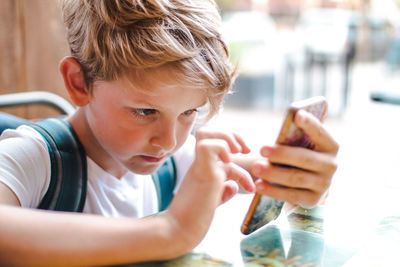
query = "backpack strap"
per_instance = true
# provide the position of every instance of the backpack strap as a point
(67, 189)
(8, 121)
(165, 180)
(68, 183)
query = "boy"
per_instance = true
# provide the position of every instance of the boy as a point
(139, 71)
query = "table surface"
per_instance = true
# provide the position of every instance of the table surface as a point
(302, 238)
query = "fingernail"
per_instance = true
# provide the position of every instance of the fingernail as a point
(246, 150)
(265, 151)
(261, 186)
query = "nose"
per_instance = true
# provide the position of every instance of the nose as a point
(165, 135)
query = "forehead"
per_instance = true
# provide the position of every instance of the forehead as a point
(166, 76)
(157, 87)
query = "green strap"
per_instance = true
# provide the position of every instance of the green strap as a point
(68, 182)
(165, 180)
(67, 189)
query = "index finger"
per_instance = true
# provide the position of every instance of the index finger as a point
(240, 175)
(236, 142)
(322, 140)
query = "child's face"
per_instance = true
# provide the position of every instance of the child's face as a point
(139, 127)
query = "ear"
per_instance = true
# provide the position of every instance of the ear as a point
(74, 81)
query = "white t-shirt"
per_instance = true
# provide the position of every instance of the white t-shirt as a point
(25, 169)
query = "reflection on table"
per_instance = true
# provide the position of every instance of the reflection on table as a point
(297, 239)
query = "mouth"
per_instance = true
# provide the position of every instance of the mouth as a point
(152, 159)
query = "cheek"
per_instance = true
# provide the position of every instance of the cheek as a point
(123, 143)
(183, 132)
(114, 135)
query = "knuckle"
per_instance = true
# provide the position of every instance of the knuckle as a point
(202, 145)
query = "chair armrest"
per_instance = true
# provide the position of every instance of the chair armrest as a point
(37, 97)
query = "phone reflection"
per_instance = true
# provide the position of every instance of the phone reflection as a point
(272, 246)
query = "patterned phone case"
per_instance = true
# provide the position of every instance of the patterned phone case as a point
(264, 209)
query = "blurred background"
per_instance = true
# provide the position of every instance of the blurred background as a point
(293, 49)
(285, 49)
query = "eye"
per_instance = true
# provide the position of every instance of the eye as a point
(143, 112)
(190, 112)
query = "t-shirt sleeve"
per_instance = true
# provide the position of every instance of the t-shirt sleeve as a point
(25, 165)
(183, 159)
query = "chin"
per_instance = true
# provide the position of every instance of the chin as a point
(145, 169)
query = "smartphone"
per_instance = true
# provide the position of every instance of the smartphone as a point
(264, 209)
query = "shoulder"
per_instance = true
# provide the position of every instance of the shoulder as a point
(22, 139)
(24, 164)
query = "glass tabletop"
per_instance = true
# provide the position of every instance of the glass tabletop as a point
(302, 238)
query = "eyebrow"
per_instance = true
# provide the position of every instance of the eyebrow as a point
(147, 105)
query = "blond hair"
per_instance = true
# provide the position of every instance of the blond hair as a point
(111, 37)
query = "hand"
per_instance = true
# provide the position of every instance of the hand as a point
(234, 174)
(210, 180)
(306, 184)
